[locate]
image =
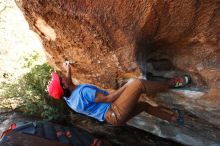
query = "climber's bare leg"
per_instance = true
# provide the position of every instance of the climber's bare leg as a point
(159, 112)
(127, 101)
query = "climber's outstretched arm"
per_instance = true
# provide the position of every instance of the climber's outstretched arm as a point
(68, 74)
(68, 71)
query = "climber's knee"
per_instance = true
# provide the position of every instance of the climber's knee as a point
(138, 84)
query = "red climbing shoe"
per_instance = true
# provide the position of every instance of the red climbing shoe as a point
(178, 82)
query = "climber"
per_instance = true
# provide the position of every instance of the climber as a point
(118, 107)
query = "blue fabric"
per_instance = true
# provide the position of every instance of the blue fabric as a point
(82, 100)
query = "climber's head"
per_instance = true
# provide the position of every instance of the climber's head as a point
(55, 87)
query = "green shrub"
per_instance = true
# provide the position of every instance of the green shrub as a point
(29, 95)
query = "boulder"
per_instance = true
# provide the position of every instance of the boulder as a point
(111, 41)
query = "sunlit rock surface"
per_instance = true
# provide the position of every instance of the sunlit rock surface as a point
(111, 41)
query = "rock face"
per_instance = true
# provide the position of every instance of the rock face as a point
(111, 41)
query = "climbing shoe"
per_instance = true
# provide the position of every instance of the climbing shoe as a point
(178, 82)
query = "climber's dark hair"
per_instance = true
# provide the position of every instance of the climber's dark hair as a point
(67, 92)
